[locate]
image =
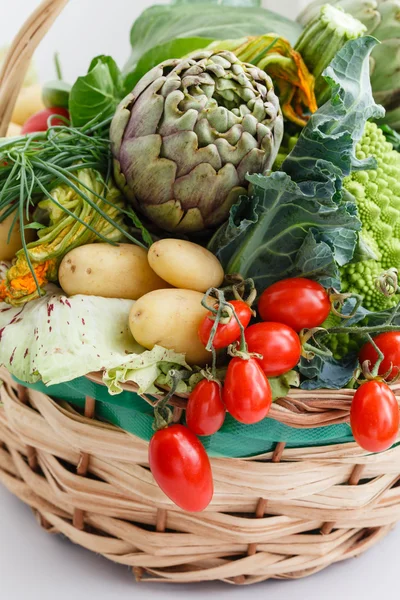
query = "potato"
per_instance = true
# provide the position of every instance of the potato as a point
(28, 103)
(119, 271)
(185, 265)
(170, 318)
(9, 250)
(13, 130)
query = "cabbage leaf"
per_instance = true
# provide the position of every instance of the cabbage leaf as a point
(160, 24)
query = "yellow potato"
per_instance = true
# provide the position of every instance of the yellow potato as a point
(119, 271)
(13, 130)
(9, 250)
(185, 265)
(170, 318)
(28, 103)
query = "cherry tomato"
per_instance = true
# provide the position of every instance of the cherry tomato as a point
(299, 303)
(247, 393)
(39, 121)
(278, 344)
(205, 412)
(181, 467)
(229, 332)
(389, 344)
(374, 416)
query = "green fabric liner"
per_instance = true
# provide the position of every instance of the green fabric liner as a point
(130, 412)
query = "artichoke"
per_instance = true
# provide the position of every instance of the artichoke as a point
(185, 138)
(382, 20)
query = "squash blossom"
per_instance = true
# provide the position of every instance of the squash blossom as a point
(292, 79)
(63, 232)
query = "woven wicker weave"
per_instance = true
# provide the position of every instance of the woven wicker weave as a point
(284, 515)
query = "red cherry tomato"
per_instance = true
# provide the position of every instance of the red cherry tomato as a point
(181, 467)
(229, 332)
(374, 416)
(247, 393)
(299, 303)
(278, 344)
(389, 344)
(205, 412)
(39, 121)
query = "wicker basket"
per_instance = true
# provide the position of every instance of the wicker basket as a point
(285, 514)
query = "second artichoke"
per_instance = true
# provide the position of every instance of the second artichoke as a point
(186, 137)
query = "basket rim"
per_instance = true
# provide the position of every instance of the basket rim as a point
(301, 409)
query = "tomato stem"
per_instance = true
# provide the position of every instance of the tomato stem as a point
(309, 351)
(214, 363)
(163, 416)
(380, 354)
(237, 287)
(222, 307)
(387, 283)
(375, 329)
(337, 301)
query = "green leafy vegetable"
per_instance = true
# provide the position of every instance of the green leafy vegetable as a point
(97, 94)
(56, 339)
(145, 370)
(327, 372)
(334, 367)
(268, 250)
(314, 259)
(306, 196)
(161, 24)
(280, 386)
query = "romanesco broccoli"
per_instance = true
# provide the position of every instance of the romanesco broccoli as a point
(377, 193)
(340, 344)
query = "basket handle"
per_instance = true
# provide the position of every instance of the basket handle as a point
(20, 54)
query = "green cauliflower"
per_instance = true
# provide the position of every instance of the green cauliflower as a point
(377, 193)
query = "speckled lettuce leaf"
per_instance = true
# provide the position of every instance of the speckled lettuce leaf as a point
(57, 339)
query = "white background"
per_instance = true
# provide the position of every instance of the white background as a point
(87, 28)
(37, 566)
